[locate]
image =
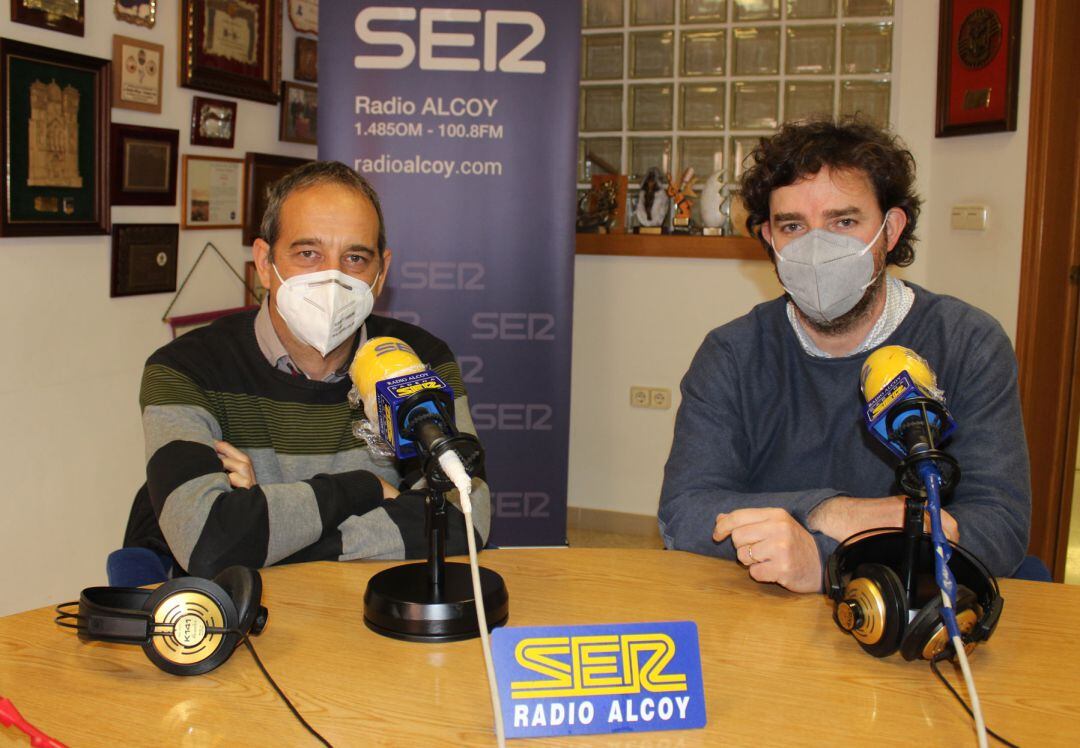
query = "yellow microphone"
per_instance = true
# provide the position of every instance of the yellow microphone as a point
(377, 360)
(885, 364)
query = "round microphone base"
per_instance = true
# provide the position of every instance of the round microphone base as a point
(401, 603)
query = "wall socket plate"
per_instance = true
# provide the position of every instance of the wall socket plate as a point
(656, 398)
(969, 217)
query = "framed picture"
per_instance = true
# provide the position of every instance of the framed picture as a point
(306, 64)
(143, 258)
(138, 12)
(213, 122)
(137, 74)
(299, 113)
(304, 16)
(260, 171)
(978, 66)
(254, 290)
(231, 47)
(143, 165)
(212, 192)
(54, 135)
(67, 16)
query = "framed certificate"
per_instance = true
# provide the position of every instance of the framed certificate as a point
(212, 192)
(304, 16)
(137, 74)
(231, 47)
(143, 165)
(54, 135)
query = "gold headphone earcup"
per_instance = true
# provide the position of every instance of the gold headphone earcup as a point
(926, 636)
(873, 609)
(184, 614)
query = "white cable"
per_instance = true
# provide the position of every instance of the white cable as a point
(455, 471)
(969, 681)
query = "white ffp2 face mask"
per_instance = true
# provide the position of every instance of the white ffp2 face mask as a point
(323, 309)
(826, 273)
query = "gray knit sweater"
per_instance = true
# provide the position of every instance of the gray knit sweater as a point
(764, 424)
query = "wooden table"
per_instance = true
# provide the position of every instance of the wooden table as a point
(777, 670)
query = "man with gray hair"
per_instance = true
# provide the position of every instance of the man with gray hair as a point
(250, 453)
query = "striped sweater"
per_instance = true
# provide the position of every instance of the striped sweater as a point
(316, 498)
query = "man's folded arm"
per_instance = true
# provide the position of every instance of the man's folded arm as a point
(706, 473)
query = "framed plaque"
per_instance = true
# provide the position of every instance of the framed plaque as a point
(978, 66)
(304, 16)
(67, 16)
(54, 135)
(231, 47)
(306, 62)
(138, 12)
(212, 192)
(143, 258)
(260, 171)
(213, 122)
(143, 165)
(137, 74)
(299, 113)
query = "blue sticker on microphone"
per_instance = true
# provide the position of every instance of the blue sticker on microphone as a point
(581, 680)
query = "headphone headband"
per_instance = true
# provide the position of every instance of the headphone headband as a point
(887, 546)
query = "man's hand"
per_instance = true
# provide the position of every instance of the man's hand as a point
(388, 491)
(236, 464)
(774, 546)
(842, 516)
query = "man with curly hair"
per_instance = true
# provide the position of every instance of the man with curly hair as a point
(771, 464)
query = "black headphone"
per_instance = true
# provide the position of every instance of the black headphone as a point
(187, 626)
(863, 580)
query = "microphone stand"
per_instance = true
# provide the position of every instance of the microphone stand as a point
(433, 601)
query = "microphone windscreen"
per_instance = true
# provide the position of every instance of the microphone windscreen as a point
(379, 359)
(886, 363)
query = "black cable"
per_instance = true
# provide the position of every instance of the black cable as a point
(324, 741)
(941, 677)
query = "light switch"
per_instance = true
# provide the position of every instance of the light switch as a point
(969, 217)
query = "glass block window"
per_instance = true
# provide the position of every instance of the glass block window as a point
(678, 83)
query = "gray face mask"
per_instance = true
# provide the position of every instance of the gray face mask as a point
(826, 273)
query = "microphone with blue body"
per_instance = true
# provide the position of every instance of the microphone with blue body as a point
(906, 412)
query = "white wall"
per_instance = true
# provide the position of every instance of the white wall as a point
(71, 449)
(639, 321)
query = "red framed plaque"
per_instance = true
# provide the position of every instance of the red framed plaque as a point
(978, 66)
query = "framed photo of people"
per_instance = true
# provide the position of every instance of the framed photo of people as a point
(143, 258)
(231, 47)
(54, 135)
(67, 16)
(299, 113)
(978, 66)
(260, 171)
(143, 165)
(213, 122)
(138, 12)
(137, 74)
(212, 192)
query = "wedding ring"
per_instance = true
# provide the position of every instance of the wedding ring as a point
(750, 553)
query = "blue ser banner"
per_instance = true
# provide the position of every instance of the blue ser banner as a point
(463, 115)
(579, 680)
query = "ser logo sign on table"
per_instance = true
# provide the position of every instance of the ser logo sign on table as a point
(579, 680)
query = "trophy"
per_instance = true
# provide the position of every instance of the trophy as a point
(682, 201)
(712, 205)
(652, 203)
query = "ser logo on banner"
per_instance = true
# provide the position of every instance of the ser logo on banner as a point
(462, 21)
(578, 680)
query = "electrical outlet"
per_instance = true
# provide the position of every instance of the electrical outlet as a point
(639, 397)
(659, 398)
(969, 217)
